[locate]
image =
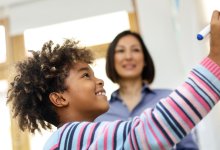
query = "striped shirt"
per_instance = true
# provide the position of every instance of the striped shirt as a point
(157, 128)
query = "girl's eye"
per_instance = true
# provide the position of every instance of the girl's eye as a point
(86, 75)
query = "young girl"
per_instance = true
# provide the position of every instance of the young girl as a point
(57, 86)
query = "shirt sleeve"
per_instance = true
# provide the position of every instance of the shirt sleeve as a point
(157, 128)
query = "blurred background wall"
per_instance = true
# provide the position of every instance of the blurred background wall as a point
(169, 28)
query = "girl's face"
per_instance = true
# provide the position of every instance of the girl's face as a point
(129, 58)
(85, 93)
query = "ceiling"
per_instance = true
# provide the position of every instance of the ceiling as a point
(11, 3)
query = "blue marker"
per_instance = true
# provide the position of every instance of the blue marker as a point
(202, 34)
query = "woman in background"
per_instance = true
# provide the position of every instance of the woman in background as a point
(129, 64)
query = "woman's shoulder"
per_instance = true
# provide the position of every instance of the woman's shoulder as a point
(162, 91)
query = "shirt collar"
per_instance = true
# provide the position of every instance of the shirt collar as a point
(115, 94)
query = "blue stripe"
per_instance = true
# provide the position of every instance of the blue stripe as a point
(214, 86)
(132, 145)
(82, 137)
(162, 129)
(201, 93)
(94, 131)
(135, 137)
(115, 135)
(157, 132)
(183, 111)
(69, 146)
(129, 131)
(172, 121)
(68, 136)
(62, 134)
(189, 104)
(179, 127)
(124, 133)
(129, 127)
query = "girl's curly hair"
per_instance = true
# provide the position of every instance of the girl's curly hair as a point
(37, 77)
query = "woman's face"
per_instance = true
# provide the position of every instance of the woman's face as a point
(129, 58)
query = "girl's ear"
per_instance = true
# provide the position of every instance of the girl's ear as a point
(57, 99)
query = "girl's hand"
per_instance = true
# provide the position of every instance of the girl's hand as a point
(215, 37)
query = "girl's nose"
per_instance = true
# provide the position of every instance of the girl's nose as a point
(100, 82)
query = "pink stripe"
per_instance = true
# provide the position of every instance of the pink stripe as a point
(188, 109)
(106, 140)
(101, 132)
(114, 132)
(160, 131)
(181, 114)
(208, 89)
(90, 135)
(134, 143)
(177, 117)
(80, 135)
(54, 147)
(57, 145)
(96, 145)
(144, 129)
(165, 127)
(211, 66)
(199, 99)
(130, 143)
(143, 138)
(105, 137)
(192, 99)
(157, 139)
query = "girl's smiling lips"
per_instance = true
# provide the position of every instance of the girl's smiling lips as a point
(100, 92)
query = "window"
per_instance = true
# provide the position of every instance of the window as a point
(90, 31)
(2, 44)
(5, 126)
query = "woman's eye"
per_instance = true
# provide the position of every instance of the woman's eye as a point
(119, 51)
(136, 50)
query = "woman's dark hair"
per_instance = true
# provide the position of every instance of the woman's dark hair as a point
(148, 72)
(37, 77)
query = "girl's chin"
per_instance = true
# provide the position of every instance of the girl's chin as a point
(102, 97)
(103, 110)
